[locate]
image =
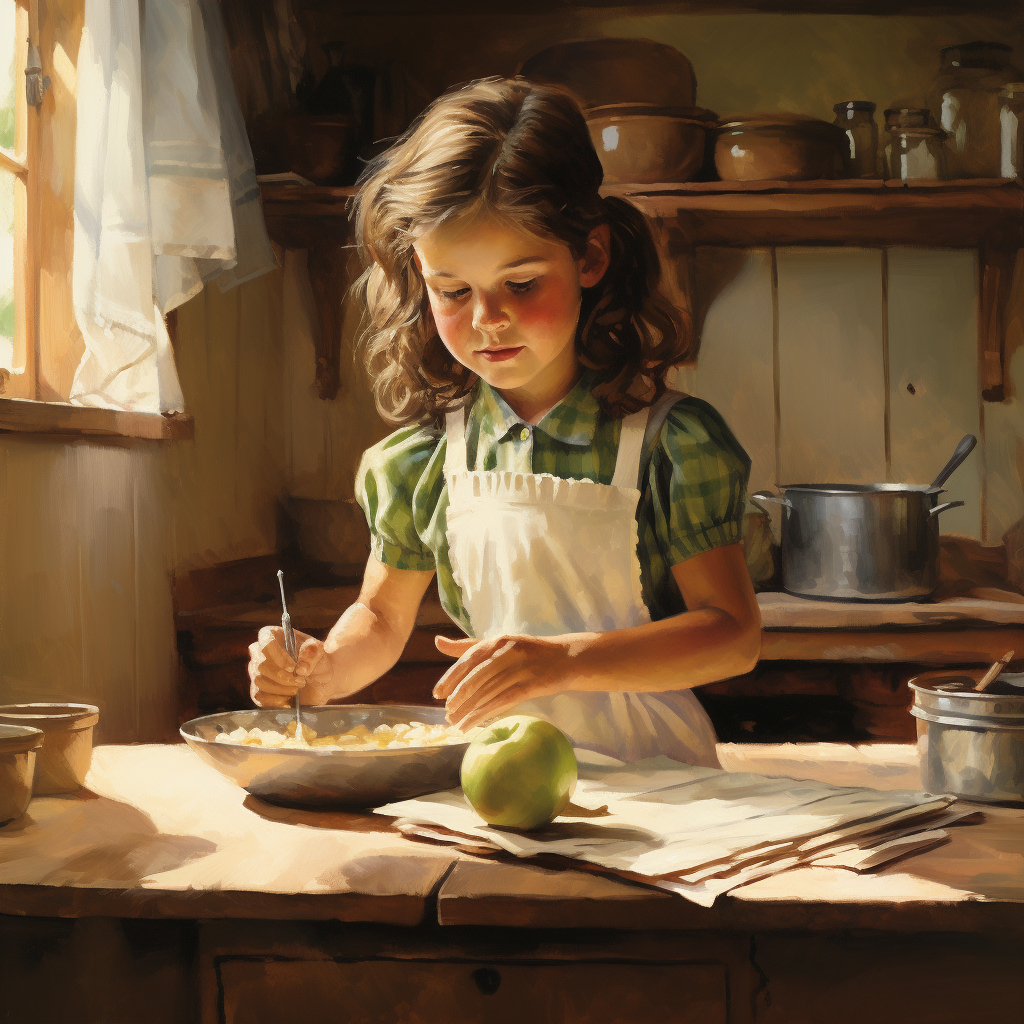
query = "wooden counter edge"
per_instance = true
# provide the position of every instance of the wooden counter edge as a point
(78, 901)
(465, 899)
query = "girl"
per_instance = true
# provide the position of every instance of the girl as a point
(583, 523)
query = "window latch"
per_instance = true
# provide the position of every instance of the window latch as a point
(36, 83)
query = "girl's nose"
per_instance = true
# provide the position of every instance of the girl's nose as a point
(488, 316)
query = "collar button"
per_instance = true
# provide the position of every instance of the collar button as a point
(524, 433)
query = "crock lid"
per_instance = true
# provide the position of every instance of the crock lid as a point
(47, 715)
(777, 119)
(15, 739)
(697, 115)
(973, 51)
(854, 105)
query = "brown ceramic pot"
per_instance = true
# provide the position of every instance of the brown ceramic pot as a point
(779, 147)
(641, 144)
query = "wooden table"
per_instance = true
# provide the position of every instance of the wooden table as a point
(182, 894)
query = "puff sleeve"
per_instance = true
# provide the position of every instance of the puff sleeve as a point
(386, 487)
(697, 476)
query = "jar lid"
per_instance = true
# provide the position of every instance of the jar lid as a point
(978, 54)
(910, 117)
(854, 105)
(16, 739)
(50, 716)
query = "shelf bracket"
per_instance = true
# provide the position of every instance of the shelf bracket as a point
(996, 265)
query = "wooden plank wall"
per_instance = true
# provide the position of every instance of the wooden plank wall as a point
(854, 328)
(90, 533)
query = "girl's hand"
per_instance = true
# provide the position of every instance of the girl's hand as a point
(492, 676)
(274, 678)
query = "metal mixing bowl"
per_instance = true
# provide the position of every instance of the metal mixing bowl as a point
(320, 776)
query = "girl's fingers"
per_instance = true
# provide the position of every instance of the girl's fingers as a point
(478, 674)
(454, 648)
(260, 665)
(269, 700)
(469, 662)
(270, 641)
(268, 685)
(310, 653)
(476, 692)
(499, 704)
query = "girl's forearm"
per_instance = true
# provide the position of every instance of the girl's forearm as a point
(680, 652)
(362, 646)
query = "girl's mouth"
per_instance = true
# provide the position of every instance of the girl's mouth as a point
(497, 355)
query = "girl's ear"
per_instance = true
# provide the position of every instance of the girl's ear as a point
(597, 256)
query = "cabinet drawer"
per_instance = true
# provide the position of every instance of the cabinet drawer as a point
(420, 992)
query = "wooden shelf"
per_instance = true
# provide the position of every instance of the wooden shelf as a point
(435, 8)
(957, 214)
(961, 214)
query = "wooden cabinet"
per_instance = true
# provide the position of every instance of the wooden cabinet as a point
(470, 992)
(253, 972)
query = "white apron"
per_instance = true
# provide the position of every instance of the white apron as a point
(540, 555)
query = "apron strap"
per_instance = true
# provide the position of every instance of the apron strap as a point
(455, 431)
(631, 439)
(659, 412)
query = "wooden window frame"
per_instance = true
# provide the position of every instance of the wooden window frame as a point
(23, 409)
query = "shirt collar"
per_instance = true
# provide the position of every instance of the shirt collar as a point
(573, 420)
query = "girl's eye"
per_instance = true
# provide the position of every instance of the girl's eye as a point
(457, 294)
(521, 286)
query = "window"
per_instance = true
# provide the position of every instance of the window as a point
(18, 228)
(40, 343)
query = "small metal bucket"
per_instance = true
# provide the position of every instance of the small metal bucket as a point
(971, 744)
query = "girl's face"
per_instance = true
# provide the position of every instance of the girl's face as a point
(506, 302)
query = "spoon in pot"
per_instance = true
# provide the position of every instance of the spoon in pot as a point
(994, 671)
(963, 449)
(289, 645)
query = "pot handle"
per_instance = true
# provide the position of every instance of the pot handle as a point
(768, 496)
(945, 505)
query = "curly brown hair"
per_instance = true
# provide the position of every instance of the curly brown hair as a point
(524, 152)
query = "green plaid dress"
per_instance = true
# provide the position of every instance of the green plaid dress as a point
(692, 498)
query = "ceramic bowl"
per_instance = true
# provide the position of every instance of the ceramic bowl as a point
(779, 147)
(18, 747)
(641, 144)
(66, 750)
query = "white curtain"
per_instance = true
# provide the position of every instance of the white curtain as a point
(166, 197)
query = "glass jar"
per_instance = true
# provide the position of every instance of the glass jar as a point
(857, 119)
(965, 101)
(915, 147)
(1011, 131)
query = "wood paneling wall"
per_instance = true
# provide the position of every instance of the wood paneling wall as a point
(91, 533)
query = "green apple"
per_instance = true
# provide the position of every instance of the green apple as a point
(519, 772)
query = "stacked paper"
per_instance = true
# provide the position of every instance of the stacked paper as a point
(699, 831)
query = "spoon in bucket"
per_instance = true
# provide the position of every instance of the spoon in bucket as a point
(289, 646)
(994, 671)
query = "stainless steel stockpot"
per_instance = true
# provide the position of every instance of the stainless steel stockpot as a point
(862, 542)
(970, 744)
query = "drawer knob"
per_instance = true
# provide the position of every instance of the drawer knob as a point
(487, 979)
